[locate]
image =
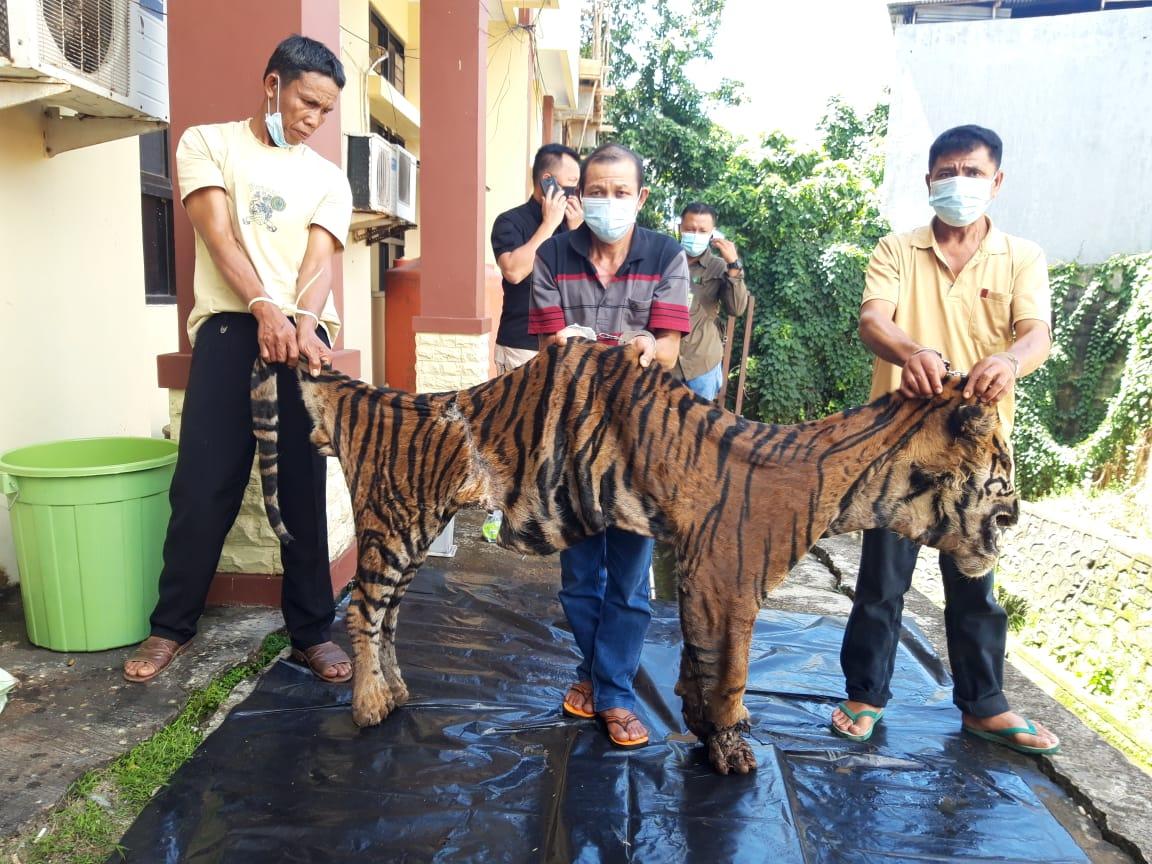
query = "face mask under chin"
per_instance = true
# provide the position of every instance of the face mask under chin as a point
(274, 122)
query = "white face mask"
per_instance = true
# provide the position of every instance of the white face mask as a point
(960, 201)
(274, 123)
(609, 218)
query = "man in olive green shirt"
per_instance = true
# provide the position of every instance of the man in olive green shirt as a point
(717, 283)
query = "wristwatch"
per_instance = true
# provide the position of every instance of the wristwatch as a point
(735, 265)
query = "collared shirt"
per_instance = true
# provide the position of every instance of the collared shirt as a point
(713, 288)
(274, 196)
(511, 230)
(648, 292)
(965, 316)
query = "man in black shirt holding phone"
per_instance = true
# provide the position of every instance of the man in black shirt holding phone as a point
(517, 234)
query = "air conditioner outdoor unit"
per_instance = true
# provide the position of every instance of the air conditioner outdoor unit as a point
(406, 170)
(372, 173)
(104, 60)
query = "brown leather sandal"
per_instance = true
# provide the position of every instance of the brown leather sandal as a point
(320, 657)
(623, 723)
(583, 689)
(158, 651)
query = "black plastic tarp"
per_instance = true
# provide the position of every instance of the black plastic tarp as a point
(480, 765)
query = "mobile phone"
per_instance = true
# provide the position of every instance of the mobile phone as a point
(548, 184)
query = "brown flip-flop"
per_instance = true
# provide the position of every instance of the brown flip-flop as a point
(320, 657)
(622, 722)
(158, 651)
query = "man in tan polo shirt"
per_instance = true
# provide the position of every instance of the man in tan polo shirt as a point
(962, 291)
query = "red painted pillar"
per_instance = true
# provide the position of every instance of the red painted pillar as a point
(217, 51)
(453, 62)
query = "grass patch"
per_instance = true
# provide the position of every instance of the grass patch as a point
(101, 805)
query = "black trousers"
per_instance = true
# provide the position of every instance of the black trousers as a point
(212, 469)
(975, 624)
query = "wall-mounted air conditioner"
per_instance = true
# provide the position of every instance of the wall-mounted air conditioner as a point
(406, 169)
(372, 173)
(104, 62)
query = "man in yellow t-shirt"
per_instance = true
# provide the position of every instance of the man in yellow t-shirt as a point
(962, 291)
(270, 214)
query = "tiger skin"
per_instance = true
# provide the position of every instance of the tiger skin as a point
(582, 438)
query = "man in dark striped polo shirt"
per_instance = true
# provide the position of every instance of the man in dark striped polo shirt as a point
(627, 284)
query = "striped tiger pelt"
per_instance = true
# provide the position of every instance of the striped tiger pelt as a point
(581, 438)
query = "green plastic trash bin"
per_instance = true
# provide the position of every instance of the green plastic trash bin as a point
(88, 520)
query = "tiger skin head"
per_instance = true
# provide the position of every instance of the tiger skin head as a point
(951, 486)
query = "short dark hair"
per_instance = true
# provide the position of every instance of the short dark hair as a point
(612, 152)
(701, 207)
(548, 157)
(299, 54)
(965, 139)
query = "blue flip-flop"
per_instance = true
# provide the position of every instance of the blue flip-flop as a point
(1003, 737)
(856, 715)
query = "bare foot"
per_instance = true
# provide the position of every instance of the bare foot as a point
(862, 725)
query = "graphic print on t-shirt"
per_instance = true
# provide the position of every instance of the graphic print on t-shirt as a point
(261, 206)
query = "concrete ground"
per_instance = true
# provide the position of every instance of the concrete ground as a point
(74, 712)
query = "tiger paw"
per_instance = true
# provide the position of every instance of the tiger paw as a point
(371, 705)
(729, 753)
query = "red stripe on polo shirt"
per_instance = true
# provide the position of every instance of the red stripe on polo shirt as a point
(549, 319)
(669, 316)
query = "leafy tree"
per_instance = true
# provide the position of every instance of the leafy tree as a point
(806, 224)
(658, 110)
(804, 220)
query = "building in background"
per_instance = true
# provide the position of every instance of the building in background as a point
(1064, 82)
(79, 83)
(98, 254)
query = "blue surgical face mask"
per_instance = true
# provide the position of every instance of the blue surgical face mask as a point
(274, 123)
(609, 218)
(960, 201)
(695, 244)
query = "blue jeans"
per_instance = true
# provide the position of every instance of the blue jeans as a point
(976, 627)
(604, 593)
(708, 384)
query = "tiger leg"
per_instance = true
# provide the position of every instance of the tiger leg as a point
(372, 697)
(389, 664)
(713, 676)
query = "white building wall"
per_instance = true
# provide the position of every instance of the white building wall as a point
(74, 332)
(1071, 96)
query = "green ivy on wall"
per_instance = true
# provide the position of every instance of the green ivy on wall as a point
(1082, 417)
